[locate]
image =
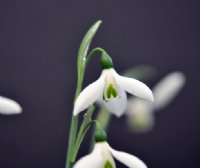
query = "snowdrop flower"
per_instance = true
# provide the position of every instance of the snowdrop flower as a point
(110, 89)
(9, 107)
(141, 113)
(102, 157)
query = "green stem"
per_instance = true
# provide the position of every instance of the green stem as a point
(72, 135)
(82, 53)
(83, 130)
(73, 129)
(74, 120)
(104, 55)
(104, 118)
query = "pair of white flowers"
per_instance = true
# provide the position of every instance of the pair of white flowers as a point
(110, 89)
(9, 106)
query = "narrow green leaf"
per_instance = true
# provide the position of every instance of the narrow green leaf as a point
(82, 53)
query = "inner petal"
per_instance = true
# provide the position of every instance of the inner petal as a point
(108, 161)
(111, 88)
(111, 92)
(117, 105)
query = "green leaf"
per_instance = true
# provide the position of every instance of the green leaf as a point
(82, 53)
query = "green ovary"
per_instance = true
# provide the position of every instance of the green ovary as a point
(108, 164)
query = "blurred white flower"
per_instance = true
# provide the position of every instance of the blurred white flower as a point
(141, 113)
(102, 157)
(110, 89)
(9, 107)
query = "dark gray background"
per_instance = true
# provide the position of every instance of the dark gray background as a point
(39, 40)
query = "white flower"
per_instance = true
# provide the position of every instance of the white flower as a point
(102, 157)
(110, 88)
(141, 113)
(8, 106)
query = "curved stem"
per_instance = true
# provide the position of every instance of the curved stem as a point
(91, 54)
(103, 118)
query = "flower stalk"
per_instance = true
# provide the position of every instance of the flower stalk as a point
(110, 89)
(83, 130)
(81, 66)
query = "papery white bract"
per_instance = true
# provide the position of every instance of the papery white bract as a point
(110, 88)
(102, 157)
(9, 106)
(141, 113)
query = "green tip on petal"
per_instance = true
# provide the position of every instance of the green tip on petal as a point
(106, 61)
(108, 164)
(111, 92)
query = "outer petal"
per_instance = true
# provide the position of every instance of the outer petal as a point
(93, 160)
(8, 106)
(140, 115)
(89, 95)
(133, 86)
(117, 106)
(167, 89)
(135, 104)
(127, 159)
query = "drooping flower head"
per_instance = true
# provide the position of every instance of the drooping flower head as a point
(141, 113)
(103, 156)
(110, 89)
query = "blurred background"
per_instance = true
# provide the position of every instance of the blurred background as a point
(39, 40)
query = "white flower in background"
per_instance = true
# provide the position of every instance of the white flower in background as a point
(110, 89)
(102, 157)
(9, 107)
(141, 113)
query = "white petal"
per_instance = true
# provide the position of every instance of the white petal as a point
(117, 106)
(102, 148)
(89, 95)
(127, 159)
(133, 86)
(136, 104)
(141, 124)
(140, 115)
(8, 106)
(93, 160)
(167, 89)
